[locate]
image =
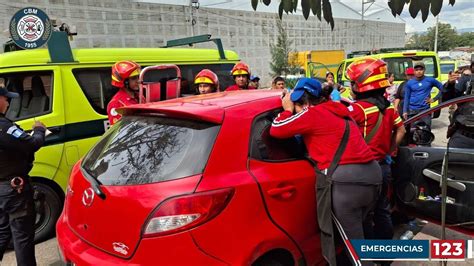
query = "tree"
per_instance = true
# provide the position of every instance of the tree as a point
(447, 38)
(280, 64)
(466, 39)
(318, 7)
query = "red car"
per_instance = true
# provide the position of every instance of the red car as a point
(193, 181)
(199, 181)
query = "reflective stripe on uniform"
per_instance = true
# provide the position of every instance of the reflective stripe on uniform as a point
(367, 111)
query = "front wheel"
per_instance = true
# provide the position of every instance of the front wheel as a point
(48, 207)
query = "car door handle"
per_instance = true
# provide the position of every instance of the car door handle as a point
(437, 177)
(283, 192)
(421, 155)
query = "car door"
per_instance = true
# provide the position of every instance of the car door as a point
(417, 173)
(286, 182)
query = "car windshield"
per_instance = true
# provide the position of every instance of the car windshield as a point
(142, 150)
(445, 68)
(398, 65)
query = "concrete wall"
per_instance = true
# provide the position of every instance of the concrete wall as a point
(124, 23)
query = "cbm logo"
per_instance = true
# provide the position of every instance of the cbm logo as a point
(30, 28)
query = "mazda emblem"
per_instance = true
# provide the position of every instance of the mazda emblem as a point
(88, 197)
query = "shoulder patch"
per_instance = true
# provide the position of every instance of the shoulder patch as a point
(350, 108)
(15, 132)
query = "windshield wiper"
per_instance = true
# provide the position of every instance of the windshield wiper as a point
(95, 184)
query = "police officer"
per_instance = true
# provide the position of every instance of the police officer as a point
(381, 127)
(17, 214)
(125, 79)
(461, 130)
(241, 74)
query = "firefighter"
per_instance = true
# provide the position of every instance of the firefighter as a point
(206, 81)
(241, 74)
(125, 79)
(17, 213)
(380, 125)
(348, 177)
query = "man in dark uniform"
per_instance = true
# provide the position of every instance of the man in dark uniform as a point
(17, 215)
(461, 129)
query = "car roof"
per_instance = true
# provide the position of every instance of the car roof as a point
(207, 107)
(112, 55)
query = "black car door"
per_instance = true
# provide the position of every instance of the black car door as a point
(417, 173)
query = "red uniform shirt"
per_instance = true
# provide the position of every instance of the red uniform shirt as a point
(236, 88)
(366, 115)
(322, 127)
(120, 99)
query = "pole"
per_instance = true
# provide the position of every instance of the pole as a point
(191, 16)
(436, 35)
(363, 26)
(371, 2)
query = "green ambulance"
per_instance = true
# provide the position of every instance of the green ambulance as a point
(70, 97)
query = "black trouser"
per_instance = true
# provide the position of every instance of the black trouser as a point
(383, 227)
(426, 118)
(353, 203)
(460, 140)
(17, 220)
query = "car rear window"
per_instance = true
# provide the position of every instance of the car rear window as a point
(146, 149)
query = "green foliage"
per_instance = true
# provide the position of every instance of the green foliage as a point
(280, 65)
(396, 6)
(448, 38)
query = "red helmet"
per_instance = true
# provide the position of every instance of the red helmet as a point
(368, 74)
(240, 69)
(123, 70)
(208, 77)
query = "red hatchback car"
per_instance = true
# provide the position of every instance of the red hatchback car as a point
(193, 181)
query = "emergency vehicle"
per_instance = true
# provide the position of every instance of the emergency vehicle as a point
(397, 63)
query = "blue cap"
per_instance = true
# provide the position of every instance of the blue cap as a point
(252, 78)
(4, 92)
(312, 86)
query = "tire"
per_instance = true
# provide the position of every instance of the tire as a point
(436, 114)
(47, 214)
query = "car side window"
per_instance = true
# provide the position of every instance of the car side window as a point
(264, 147)
(35, 89)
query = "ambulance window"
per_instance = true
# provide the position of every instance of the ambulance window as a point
(35, 90)
(190, 71)
(96, 85)
(266, 148)
(398, 65)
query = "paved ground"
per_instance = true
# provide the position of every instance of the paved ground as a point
(47, 253)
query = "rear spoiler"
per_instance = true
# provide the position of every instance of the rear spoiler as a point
(178, 109)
